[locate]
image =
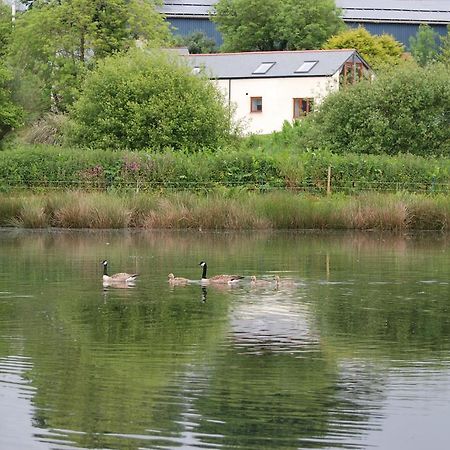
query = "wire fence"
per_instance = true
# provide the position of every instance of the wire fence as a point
(316, 186)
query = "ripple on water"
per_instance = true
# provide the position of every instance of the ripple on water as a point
(274, 323)
(16, 409)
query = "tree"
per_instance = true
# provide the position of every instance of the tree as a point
(444, 54)
(261, 25)
(198, 42)
(424, 45)
(10, 114)
(5, 29)
(308, 24)
(248, 24)
(404, 110)
(378, 51)
(148, 100)
(56, 42)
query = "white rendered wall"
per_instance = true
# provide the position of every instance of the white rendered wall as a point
(277, 98)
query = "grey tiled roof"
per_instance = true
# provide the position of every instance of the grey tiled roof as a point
(243, 65)
(429, 11)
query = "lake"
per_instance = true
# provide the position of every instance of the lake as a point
(351, 350)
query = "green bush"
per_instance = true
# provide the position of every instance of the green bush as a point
(148, 100)
(378, 51)
(47, 166)
(49, 129)
(10, 114)
(406, 110)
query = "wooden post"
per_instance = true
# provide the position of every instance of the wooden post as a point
(329, 181)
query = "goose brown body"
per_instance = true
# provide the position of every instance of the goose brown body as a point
(177, 280)
(121, 277)
(255, 282)
(284, 282)
(218, 279)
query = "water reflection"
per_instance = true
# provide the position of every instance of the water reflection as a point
(17, 428)
(273, 322)
(118, 285)
(204, 294)
(356, 337)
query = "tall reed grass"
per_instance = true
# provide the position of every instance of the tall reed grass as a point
(227, 209)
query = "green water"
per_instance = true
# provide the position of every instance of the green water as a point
(353, 351)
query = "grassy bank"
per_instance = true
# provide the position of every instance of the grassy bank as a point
(226, 209)
(40, 167)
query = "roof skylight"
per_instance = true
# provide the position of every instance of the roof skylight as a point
(306, 66)
(264, 67)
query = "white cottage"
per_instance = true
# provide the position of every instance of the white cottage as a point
(267, 88)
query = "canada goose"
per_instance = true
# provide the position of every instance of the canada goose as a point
(255, 282)
(117, 277)
(177, 280)
(286, 283)
(218, 279)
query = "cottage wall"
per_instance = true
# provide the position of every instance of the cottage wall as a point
(277, 98)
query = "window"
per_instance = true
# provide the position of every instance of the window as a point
(255, 104)
(263, 67)
(352, 72)
(306, 67)
(303, 106)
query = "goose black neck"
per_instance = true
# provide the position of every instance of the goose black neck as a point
(105, 268)
(204, 271)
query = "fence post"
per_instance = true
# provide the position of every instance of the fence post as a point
(329, 181)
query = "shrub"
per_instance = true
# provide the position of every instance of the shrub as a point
(49, 129)
(148, 100)
(45, 166)
(378, 51)
(406, 110)
(10, 114)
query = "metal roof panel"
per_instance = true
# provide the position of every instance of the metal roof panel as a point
(197, 8)
(428, 11)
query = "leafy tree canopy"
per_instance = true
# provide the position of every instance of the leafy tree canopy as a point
(424, 45)
(198, 42)
(5, 28)
(259, 25)
(148, 100)
(54, 42)
(10, 114)
(308, 24)
(444, 55)
(378, 51)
